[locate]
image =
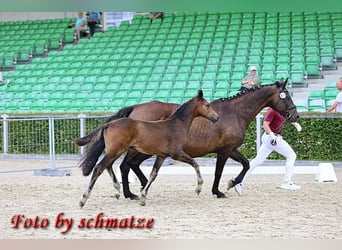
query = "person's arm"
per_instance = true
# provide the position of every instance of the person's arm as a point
(333, 106)
(84, 22)
(244, 81)
(256, 82)
(274, 137)
(266, 126)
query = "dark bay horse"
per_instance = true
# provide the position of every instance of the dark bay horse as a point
(164, 138)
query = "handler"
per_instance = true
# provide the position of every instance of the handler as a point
(272, 139)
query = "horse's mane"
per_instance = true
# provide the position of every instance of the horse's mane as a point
(180, 109)
(243, 93)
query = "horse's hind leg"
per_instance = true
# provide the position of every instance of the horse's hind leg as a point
(132, 160)
(115, 181)
(237, 156)
(98, 170)
(153, 175)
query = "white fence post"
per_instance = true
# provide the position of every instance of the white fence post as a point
(52, 171)
(258, 131)
(52, 143)
(82, 129)
(5, 133)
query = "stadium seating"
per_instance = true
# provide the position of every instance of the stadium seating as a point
(143, 61)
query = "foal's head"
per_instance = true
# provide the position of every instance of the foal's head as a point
(283, 102)
(204, 108)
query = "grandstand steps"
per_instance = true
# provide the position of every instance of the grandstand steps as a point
(317, 84)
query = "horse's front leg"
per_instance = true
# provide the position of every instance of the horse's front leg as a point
(237, 156)
(187, 159)
(153, 175)
(116, 183)
(220, 162)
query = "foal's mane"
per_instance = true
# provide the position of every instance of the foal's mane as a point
(179, 112)
(244, 92)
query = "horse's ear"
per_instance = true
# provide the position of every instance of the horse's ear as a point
(285, 83)
(200, 93)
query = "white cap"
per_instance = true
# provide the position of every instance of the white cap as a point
(252, 68)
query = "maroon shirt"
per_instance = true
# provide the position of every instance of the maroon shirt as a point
(276, 121)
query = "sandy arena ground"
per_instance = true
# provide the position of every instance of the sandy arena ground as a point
(173, 210)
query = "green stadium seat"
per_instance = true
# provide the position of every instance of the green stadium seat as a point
(121, 94)
(338, 52)
(233, 92)
(330, 94)
(135, 95)
(148, 95)
(298, 79)
(314, 70)
(179, 85)
(109, 96)
(329, 102)
(267, 78)
(162, 95)
(235, 86)
(152, 85)
(301, 105)
(117, 104)
(317, 105)
(316, 94)
(330, 85)
(221, 93)
(237, 76)
(328, 62)
(177, 93)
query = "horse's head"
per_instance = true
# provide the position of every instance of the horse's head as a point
(204, 108)
(282, 102)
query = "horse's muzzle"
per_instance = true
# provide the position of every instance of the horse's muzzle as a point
(214, 119)
(293, 118)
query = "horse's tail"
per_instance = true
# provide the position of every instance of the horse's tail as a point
(89, 159)
(124, 112)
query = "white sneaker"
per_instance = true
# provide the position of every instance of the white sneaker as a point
(290, 186)
(238, 188)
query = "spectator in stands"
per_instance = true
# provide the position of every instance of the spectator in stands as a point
(93, 20)
(272, 140)
(251, 80)
(80, 25)
(156, 15)
(337, 105)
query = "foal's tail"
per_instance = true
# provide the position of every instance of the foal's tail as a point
(90, 158)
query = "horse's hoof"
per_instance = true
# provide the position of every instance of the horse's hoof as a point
(198, 191)
(82, 204)
(230, 184)
(143, 200)
(134, 198)
(117, 196)
(221, 195)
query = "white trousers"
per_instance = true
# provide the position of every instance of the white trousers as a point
(266, 148)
